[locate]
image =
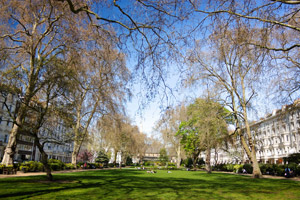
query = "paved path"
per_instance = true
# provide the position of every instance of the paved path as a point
(21, 174)
(266, 176)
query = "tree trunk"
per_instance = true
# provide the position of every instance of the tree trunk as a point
(207, 160)
(10, 149)
(44, 159)
(178, 156)
(120, 163)
(256, 169)
(115, 158)
(195, 161)
(75, 153)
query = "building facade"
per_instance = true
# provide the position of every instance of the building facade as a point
(26, 149)
(276, 136)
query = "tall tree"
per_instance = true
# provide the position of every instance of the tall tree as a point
(277, 31)
(205, 128)
(235, 68)
(100, 85)
(31, 40)
(168, 127)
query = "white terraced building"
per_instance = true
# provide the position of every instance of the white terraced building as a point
(276, 136)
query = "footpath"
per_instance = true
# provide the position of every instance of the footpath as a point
(22, 174)
(266, 176)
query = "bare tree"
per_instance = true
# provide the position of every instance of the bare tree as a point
(31, 40)
(100, 82)
(276, 23)
(236, 68)
(121, 136)
(168, 127)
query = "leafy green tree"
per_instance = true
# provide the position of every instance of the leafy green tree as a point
(163, 156)
(205, 129)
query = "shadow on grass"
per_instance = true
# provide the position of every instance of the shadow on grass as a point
(133, 184)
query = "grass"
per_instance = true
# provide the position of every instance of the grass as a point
(133, 184)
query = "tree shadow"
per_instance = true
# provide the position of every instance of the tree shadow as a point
(133, 184)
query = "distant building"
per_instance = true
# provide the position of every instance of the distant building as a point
(26, 149)
(276, 136)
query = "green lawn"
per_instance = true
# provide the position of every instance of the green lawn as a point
(133, 184)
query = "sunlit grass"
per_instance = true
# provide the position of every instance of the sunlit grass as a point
(133, 184)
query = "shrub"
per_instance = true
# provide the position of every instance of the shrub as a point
(188, 162)
(69, 166)
(278, 170)
(229, 167)
(102, 157)
(171, 164)
(32, 166)
(129, 161)
(24, 168)
(237, 168)
(54, 166)
(40, 167)
(248, 168)
(148, 163)
(297, 170)
(110, 165)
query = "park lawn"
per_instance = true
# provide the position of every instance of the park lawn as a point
(134, 184)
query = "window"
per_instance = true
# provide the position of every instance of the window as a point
(7, 123)
(0, 119)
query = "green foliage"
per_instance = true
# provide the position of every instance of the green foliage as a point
(102, 157)
(294, 158)
(206, 127)
(149, 163)
(69, 166)
(56, 164)
(163, 157)
(129, 161)
(32, 166)
(230, 167)
(24, 168)
(237, 168)
(248, 168)
(188, 162)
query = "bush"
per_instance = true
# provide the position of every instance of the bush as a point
(148, 163)
(110, 165)
(129, 161)
(69, 166)
(56, 164)
(24, 168)
(229, 167)
(33, 166)
(297, 170)
(171, 164)
(102, 157)
(237, 168)
(188, 162)
(40, 167)
(248, 168)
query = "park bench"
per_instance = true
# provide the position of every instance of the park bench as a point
(9, 170)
